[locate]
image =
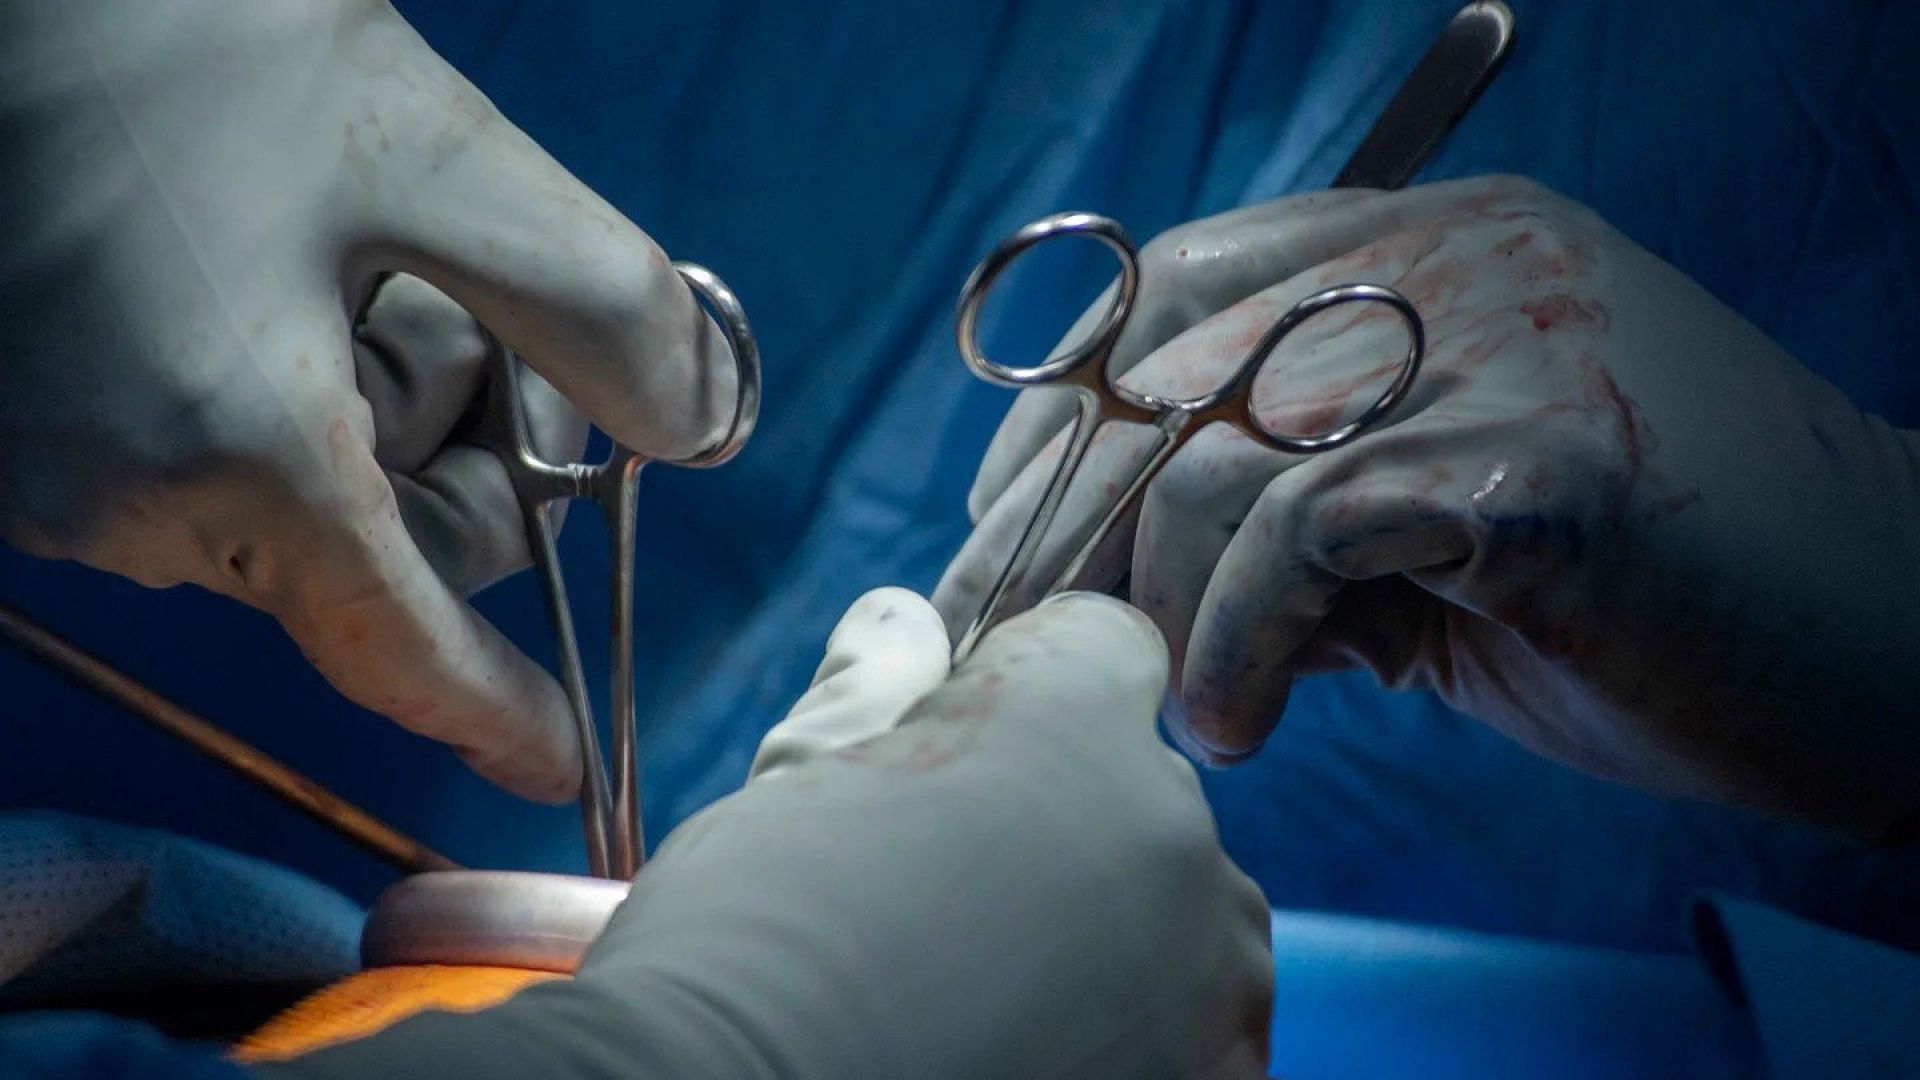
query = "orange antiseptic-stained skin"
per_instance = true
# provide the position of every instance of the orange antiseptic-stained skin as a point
(371, 1001)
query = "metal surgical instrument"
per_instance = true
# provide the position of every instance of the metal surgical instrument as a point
(1434, 97)
(1087, 369)
(610, 812)
(296, 789)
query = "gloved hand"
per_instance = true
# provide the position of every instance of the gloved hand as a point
(1613, 520)
(1019, 879)
(201, 198)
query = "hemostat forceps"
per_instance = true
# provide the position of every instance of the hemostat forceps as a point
(1437, 93)
(610, 812)
(1086, 368)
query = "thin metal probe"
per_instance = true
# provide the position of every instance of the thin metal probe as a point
(596, 802)
(628, 840)
(537, 485)
(301, 792)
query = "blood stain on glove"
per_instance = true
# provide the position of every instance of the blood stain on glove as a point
(1563, 310)
(927, 741)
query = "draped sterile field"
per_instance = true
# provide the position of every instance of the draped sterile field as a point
(843, 166)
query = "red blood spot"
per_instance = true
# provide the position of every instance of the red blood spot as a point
(1604, 391)
(1321, 414)
(1560, 310)
(1433, 286)
(1515, 242)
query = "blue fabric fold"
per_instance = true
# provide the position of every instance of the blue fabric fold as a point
(91, 909)
(1825, 1005)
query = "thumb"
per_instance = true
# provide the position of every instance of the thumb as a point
(467, 201)
(332, 561)
(1078, 666)
(889, 650)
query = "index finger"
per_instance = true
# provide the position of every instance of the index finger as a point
(467, 201)
(329, 558)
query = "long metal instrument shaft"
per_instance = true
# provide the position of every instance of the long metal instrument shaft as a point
(297, 790)
(1436, 95)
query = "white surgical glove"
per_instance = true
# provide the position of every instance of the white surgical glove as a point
(999, 873)
(1613, 520)
(201, 199)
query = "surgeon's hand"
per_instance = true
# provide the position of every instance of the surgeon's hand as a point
(201, 198)
(1002, 872)
(1613, 519)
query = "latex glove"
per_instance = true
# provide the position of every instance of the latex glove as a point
(1613, 520)
(201, 197)
(1019, 880)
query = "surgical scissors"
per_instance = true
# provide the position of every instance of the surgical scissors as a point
(610, 814)
(1086, 368)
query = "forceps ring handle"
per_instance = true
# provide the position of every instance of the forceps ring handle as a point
(1096, 346)
(1240, 388)
(726, 310)
(626, 836)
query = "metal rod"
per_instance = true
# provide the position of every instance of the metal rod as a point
(596, 804)
(1086, 423)
(621, 508)
(301, 792)
(1435, 96)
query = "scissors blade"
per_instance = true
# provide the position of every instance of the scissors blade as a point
(1443, 86)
